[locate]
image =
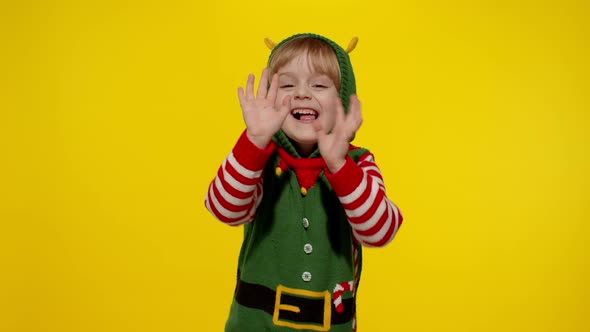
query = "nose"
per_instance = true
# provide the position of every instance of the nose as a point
(301, 93)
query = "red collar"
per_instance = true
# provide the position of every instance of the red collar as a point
(307, 170)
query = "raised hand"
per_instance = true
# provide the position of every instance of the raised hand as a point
(334, 145)
(261, 116)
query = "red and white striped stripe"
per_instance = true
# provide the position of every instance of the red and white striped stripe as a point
(355, 258)
(235, 192)
(373, 217)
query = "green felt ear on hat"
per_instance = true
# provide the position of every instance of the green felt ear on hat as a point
(347, 80)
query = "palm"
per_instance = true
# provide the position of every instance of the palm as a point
(261, 116)
(334, 145)
(260, 112)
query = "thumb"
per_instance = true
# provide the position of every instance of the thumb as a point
(319, 130)
(285, 107)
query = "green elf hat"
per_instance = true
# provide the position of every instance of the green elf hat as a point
(347, 81)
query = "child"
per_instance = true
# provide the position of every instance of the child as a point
(307, 198)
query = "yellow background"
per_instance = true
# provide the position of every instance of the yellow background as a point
(116, 114)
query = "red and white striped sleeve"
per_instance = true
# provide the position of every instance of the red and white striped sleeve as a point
(236, 191)
(359, 186)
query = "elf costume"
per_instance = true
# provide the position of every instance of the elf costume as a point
(300, 261)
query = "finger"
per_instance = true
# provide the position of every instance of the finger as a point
(354, 114)
(354, 110)
(285, 107)
(250, 87)
(262, 84)
(320, 132)
(359, 112)
(241, 97)
(355, 104)
(273, 89)
(339, 113)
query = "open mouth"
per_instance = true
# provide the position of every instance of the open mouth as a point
(304, 114)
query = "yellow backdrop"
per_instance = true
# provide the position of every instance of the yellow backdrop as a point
(116, 114)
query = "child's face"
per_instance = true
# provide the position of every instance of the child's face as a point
(313, 98)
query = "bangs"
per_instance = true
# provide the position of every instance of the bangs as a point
(320, 56)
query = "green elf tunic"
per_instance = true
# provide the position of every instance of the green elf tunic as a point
(300, 260)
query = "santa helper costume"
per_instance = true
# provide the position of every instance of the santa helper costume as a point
(304, 227)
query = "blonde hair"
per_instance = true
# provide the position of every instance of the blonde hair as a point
(320, 55)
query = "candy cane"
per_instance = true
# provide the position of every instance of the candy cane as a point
(345, 286)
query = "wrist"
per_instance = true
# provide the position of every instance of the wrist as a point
(347, 179)
(261, 141)
(249, 155)
(335, 165)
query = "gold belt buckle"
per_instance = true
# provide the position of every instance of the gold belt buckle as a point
(304, 293)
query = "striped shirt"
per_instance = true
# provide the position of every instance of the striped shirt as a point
(237, 190)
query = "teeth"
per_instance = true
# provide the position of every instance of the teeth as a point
(304, 111)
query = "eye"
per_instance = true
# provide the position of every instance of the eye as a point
(319, 86)
(284, 86)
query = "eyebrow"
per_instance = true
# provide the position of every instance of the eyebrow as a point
(313, 76)
(288, 73)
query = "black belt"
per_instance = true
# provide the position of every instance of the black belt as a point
(310, 310)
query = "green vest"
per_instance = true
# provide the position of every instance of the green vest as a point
(299, 242)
